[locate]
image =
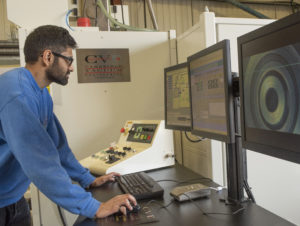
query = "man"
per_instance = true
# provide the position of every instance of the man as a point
(33, 146)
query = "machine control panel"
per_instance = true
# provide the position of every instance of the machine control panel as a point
(143, 145)
(142, 133)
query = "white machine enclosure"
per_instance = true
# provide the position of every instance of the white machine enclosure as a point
(141, 156)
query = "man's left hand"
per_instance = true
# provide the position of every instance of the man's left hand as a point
(103, 179)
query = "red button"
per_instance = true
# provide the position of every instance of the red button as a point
(122, 130)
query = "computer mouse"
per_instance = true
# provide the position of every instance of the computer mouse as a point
(135, 209)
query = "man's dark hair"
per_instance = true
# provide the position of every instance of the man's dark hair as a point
(54, 38)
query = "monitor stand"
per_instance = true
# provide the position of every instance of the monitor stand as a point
(236, 156)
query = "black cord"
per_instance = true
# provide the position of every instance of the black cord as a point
(96, 12)
(248, 191)
(192, 13)
(84, 8)
(174, 217)
(291, 3)
(214, 213)
(61, 216)
(233, 213)
(184, 181)
(145, 17)
(194, 141)
(122, 11)
(156, 202)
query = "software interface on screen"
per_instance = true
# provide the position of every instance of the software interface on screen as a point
(208, 92)
(272, 89)
(178, 103)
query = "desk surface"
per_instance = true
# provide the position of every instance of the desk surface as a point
(188, 213)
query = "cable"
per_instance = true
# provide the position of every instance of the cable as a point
(194, 141)
(122, 11)
(156, 202)
(100, 4)
(194, 203)
(84, 7)
(175, 217)
(96, 17)
(248, 191)
(61, 216)
(184, 181)
(213, 213)
(67, 18)
(233, 213)
(145, 17)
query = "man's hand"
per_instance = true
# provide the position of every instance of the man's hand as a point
(103, 179)
(114, 205)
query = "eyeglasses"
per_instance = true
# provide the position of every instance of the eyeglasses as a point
(66, 58)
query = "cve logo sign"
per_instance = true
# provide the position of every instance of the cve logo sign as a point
(94, 59)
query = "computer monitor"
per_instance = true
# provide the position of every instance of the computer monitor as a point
(177, 98)
(269, 67)
(210, 82)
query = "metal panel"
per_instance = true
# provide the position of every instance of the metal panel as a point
(103, 65)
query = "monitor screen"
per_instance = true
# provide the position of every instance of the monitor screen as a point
(177, 98)
(211, 102)
(269, 62)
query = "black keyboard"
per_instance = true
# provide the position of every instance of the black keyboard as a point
(140, 185)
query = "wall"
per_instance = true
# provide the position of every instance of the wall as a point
(179, 15)
(7, 29)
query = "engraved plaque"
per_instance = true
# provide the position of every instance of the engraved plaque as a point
(103, 65)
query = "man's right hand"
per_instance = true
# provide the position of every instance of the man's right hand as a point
(113, 205)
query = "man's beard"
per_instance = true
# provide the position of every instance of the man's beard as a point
(55, 74)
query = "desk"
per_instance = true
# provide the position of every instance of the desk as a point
(188, 213)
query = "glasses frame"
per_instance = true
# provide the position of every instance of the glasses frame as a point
(66, 58)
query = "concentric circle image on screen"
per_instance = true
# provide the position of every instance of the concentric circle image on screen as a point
(272, 87)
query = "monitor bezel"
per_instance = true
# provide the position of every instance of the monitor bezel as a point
(230, 136)
(166, 70)
(270, 138)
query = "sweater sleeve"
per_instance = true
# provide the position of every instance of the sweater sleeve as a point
(38, 156)
(75, 170)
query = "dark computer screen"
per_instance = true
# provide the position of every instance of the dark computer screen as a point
(177, 98)
(210, 81)
(269, 67)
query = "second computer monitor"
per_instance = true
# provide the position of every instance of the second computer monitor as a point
(211, 101)
(177, 100)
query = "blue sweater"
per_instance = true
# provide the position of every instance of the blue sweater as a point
(34, 148)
